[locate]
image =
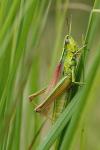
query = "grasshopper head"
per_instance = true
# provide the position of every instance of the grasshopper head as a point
(70, 44)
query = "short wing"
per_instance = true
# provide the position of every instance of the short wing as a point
(48, 90)
(62, 85)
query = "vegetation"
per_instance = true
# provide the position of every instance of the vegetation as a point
(31, 41)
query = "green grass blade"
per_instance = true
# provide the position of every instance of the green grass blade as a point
(59, 125)
(68, 139)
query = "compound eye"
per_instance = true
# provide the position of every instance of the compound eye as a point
(66, 41)
(67, 36)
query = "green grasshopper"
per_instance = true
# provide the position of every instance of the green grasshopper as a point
(66, 67)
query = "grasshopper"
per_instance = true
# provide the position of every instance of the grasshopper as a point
(66, 67)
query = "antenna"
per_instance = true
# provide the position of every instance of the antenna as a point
(67, 21)
(70, 25)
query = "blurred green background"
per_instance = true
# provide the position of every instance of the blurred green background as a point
(31, 41)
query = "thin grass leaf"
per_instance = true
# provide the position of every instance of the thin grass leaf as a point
(9, 19)
(21, 82)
